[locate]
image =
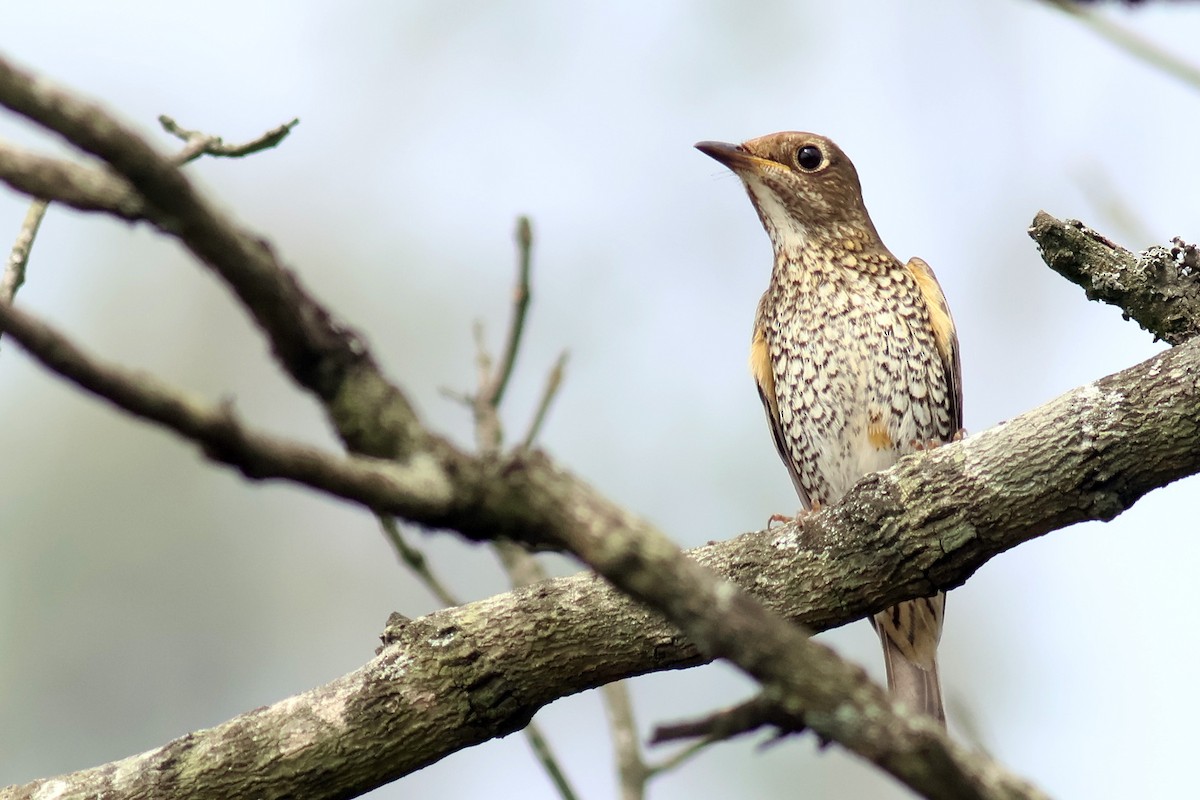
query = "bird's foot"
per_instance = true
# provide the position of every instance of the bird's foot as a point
(933, 444)
(784, 519)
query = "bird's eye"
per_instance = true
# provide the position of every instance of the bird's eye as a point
(809, 157)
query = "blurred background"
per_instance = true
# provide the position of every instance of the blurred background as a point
(145, 593)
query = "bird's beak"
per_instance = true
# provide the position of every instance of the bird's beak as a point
(734, 156)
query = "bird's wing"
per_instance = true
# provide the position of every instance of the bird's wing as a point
(764, 377)
(944, 334)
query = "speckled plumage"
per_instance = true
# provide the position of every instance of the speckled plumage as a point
(854, 354)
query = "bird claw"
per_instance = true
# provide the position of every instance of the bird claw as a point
(784, 519)
(933, 444)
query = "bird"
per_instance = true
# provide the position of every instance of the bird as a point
(855, 356)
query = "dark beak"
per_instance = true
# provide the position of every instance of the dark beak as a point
(733, 156)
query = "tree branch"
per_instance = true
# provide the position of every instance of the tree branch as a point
(198, 143)
(1159, 288)
(373, 483)
(80, 187)
(18, 257)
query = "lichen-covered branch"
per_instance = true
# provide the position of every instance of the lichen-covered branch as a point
(1159, 288)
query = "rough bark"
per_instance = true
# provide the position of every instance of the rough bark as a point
(1159, 288)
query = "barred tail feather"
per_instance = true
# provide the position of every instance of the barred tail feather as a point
(910, 632)
(913, 685)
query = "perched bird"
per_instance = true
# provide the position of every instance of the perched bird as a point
(854, 353)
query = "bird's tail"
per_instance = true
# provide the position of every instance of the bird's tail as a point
(910, 632)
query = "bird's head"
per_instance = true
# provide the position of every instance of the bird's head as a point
(802, 184)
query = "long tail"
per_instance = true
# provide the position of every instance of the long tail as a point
(910, 632)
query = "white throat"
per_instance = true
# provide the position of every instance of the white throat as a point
(787, 234)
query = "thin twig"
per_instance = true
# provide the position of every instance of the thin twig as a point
(457, 396)
(762, 710)
(18, 257)
(195, 145)
(546, 757)
(678, 759)
(553, 382)
(521, 298)
(519, 564)
(198, 143)
(1133, 43)
(489, 434)
(415, 560)
(632, 772)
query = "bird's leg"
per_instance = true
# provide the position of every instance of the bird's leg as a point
(784, 519)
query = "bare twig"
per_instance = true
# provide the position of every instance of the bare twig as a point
(757, 712)
(494, 393)
(18, 257)
(198, 143)
(1136, 45)
(416, 562)
(492, 382)
(549, 392)
(545, 756)
(632, 772)
(722, 725)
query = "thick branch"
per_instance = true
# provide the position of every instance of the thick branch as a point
(1159, 288)
(81, 187)
(371, 482)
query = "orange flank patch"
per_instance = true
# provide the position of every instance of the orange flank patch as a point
(877, 435)
(760, 368)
